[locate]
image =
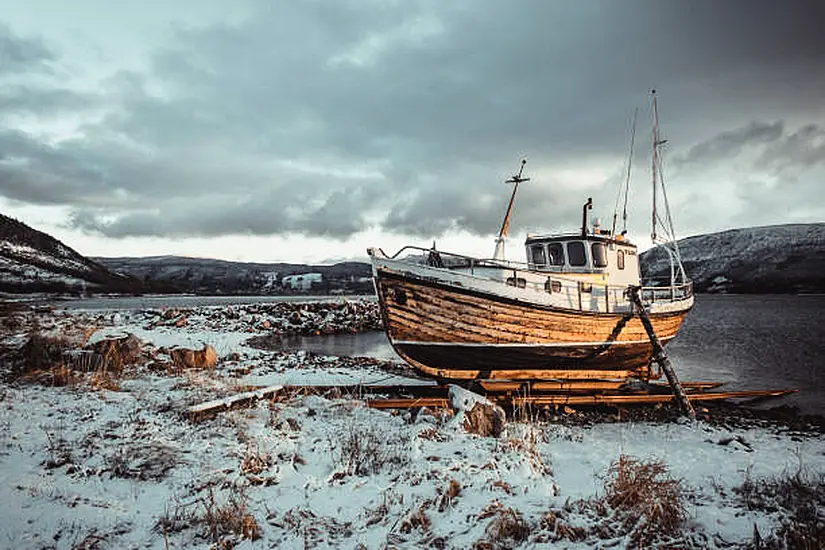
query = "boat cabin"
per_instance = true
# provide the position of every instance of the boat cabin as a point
(612, 258)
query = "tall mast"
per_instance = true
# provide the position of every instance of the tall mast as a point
(655, 160)
(505, 226)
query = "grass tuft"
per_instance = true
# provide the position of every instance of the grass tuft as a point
(645, 496)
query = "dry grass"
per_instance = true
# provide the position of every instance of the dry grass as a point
(254, 461)
(417, 520)
(646, 498)
(507, 529)
(643, 505)
(448, 495)
(147, 462)
(526, 443)
(798, 498)
(365, 451)
(315, 530)
(230, 519)
(62, 360)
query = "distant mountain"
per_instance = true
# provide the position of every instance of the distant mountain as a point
(32, 261)
(770, 259)
(208, 276)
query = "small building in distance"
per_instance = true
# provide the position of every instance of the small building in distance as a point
(303, 281)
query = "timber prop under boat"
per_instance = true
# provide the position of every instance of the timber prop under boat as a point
(568, 313)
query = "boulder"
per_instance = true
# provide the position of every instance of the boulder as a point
(186, 358)
(480, 416)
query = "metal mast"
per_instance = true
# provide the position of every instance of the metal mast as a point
(505, 226)
(655, 160)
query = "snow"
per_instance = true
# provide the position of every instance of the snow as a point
(28, 253)
(78, 463)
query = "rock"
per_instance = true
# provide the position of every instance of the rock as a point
(181, 321)
(205, 358)
(485, 420)
(480, 415)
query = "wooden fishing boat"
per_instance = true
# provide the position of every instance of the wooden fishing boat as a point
(567, 313)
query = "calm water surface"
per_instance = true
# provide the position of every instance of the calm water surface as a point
(748, 342)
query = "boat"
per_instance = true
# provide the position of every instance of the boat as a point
(568, 313)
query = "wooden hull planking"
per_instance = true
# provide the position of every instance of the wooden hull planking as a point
(456, 333)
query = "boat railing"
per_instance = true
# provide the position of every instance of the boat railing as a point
(666, 292)
(578, 289)
(451, 260)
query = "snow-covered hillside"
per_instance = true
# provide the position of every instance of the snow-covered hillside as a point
(211, 276)
(32, 261)
(777, 258)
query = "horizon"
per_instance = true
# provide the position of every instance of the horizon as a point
(307, 133)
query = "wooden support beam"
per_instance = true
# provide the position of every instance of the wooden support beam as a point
(638, 399)
(661, 357)
(558, 400)
(409, 403)
(210, 408)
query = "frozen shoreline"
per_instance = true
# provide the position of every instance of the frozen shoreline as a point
(124, 469)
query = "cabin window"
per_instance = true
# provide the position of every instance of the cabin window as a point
(517, 282)
(552, 286)
(620, 259)
(575, 254)
(537, 255)
(599, 252)
(555, 253)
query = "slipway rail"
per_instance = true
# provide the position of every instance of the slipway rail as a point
(509, 395)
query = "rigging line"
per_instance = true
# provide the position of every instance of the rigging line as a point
(620, 187)
(668, 216)
(629, 165)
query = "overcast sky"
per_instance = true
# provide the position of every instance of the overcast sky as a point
(307, 131)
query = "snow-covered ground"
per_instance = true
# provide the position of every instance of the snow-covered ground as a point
(82, 467)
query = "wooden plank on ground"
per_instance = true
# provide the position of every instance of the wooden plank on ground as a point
(210, 408)
(637, 399)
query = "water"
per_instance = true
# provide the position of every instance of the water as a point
(756, 342)
(747, 342)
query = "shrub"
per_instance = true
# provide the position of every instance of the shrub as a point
(365, 451)
(645, 498)
(799, 498)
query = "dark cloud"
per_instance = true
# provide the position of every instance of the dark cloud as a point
(21, 55)
(326, 118)
(730, 144)
(796, 152)
(32, 100)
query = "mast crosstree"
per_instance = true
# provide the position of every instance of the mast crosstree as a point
(505, 225)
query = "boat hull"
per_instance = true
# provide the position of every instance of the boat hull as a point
(460, 333)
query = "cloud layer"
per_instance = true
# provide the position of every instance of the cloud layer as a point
(331, 118)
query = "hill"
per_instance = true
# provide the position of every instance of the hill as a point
(33, 261)
(770, 259)
(209, 276)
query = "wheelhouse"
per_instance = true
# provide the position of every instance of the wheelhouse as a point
(588, 254)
